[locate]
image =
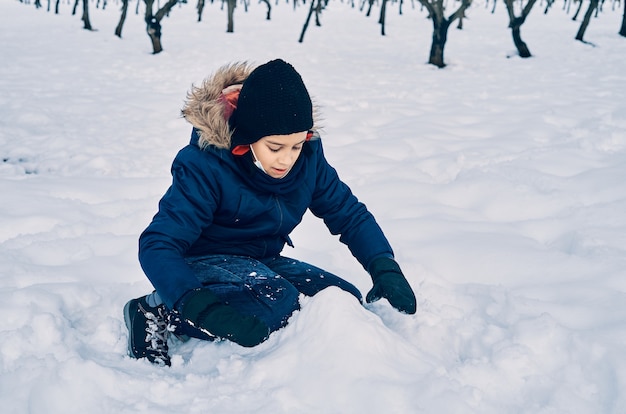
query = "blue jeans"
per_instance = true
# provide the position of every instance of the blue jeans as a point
(267, 288)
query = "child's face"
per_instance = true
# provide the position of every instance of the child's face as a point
(278, 153)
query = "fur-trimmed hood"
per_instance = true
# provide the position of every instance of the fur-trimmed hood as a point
(206, 107)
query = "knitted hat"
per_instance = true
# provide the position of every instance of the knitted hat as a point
(273, 101)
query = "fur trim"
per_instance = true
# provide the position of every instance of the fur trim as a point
(204, 107)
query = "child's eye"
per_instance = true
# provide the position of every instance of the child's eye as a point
(274, 149)
(297, 148)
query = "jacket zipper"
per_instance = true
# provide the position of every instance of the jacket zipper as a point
(286, 238)
(280, 213)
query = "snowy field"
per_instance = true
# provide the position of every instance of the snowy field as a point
(499, 181)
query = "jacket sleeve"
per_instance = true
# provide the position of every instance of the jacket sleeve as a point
(184, 211)
(346, 216)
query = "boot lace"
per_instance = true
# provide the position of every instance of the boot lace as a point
(158, 331)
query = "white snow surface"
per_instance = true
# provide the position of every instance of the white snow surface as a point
(499, 181)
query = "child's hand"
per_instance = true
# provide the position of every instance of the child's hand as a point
(390, 283)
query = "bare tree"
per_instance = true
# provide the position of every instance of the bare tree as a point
(200, 8)
(316, 6)
(118, 29)
(85, 18)
(381, 18)
(153, 22)
(516, 22)
(268, 16)
(461, 17)
(593, 4)
(436, 10)
(580, 6)
(231, 15)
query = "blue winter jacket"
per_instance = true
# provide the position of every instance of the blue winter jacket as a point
(220, 203)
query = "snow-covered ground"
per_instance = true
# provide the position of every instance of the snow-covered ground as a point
(499, 182)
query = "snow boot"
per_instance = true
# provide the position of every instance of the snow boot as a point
(148, 331)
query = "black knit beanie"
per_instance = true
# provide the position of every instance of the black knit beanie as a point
(273, 101)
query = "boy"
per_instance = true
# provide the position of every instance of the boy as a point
(255, 164)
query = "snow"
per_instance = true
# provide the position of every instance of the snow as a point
(498, 180)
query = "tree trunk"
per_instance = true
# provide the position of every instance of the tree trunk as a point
(268, 16)
(85, 18)
(381, 19)
(231, 16)
(153, 28)
(436, 9)
(583, 26)
(200, 8)
(440, 36)
(120, 25)
(318, 11)
(548, 5)
(515, 23)
(521, 46)
(306, 22)
(153, 23)
(460, 24)
(622, 31)
(580, 6)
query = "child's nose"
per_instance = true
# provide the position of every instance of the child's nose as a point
(286, 158)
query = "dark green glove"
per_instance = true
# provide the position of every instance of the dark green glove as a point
(389, 283)
(205, 311)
